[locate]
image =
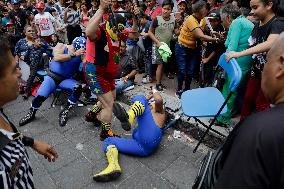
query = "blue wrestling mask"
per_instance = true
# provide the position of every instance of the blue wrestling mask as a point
(79, 42)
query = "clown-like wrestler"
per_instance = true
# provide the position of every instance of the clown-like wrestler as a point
(102, 58)
(146, 137)
(65, 64)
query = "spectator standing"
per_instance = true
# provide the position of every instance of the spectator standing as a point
(72, 21)
(84, 17)
(59, 6)
(153, 9)
(186, 50)
(6, 17)
(161, 30)
(263, 36)
(18, 16)
(45, 23)
(239, 32)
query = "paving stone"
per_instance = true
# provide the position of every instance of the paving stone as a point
(145, 178)
(44, 182)
(99, 185)
(38, 126)
(66, 152)
(181, 173)
(76, 174)
(165, 155)
(52, 137)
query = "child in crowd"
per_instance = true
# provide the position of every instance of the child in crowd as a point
(161, 30)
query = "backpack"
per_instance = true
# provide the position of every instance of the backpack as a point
(213, 162)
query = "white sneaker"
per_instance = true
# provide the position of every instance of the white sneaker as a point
(146, 79)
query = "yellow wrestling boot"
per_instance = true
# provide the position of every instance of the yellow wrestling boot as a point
(113, 170)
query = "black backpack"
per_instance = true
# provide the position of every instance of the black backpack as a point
(213, 162)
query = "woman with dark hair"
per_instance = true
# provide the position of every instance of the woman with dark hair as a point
(21, 49)
(264, 34)
(186, 50)
(240, 30)
(72, 20)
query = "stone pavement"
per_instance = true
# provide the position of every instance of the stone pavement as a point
(173, 165)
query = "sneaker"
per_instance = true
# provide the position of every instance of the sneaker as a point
(159, 87)
(147, 79)
(105, 134)
(122, 115)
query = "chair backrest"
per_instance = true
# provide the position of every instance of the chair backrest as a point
(233, 71)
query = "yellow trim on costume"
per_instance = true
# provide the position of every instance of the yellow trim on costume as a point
(111, 33)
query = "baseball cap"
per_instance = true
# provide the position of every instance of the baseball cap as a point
(40, 6)
(215, 15)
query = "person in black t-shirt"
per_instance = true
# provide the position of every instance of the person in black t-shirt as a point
(255, 158)
(261, 40)
(18, 16)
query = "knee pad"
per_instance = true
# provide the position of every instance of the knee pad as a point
(37, 101)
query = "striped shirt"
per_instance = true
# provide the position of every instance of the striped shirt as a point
(15, 169)
(73, 18)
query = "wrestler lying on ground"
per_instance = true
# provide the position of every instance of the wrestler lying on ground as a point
(146, 137)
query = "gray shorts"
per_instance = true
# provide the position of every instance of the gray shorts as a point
(156, 57)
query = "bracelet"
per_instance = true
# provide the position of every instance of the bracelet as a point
(27, 141)
(127, 77)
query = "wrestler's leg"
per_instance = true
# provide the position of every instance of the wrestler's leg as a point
(136, 109)
(76, 90)
(112, 146)
(103, 89)
(46, 88)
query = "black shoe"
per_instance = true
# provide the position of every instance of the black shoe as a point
(92, 117)
(26, 95)
(122, 115)
(28, 118)
(107, 133)
(63, 116)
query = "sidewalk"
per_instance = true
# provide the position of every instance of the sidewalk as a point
(80, 154)
(173, 165)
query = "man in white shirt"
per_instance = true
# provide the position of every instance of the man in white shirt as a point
(45, 23)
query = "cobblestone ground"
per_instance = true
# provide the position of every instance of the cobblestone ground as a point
(173, 165)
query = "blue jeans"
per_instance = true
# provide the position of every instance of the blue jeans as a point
(120, 85)
(187, 59)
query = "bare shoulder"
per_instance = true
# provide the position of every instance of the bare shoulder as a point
(59, 48)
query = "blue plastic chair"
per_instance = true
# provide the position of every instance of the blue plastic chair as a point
(209, 101)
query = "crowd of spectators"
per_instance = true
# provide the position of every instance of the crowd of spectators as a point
(196, 32)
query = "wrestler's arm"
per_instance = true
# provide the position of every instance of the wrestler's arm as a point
(58, 53)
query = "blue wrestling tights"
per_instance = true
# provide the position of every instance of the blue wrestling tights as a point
(145, 138)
